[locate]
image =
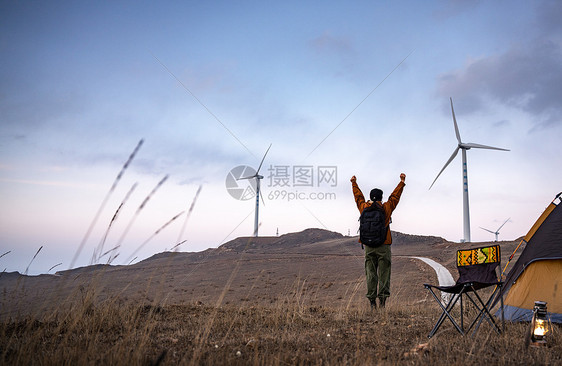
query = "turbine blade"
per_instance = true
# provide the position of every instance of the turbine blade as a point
(455, 122)
(250, 177)
(479, 146)
(257, 171)
(490, 231)
(446, 164)
(503, 225)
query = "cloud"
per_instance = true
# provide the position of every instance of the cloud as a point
(528, 76)
(502, 123)
(335, 55)
(548, 16)
(326, 43)
(47, 183)
(451, 8)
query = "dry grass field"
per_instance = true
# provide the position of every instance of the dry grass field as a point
(297, 299)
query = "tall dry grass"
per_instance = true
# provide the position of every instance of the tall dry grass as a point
(293, 330)
(288, 332)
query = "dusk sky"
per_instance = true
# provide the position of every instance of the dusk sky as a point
(337, 88)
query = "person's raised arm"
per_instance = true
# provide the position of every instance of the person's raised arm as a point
(357, 194)
(395, 196)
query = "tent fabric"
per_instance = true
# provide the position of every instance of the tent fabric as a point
(546, 243)
(539, 222)
(541, 281)
(515, 314)
(537, 273)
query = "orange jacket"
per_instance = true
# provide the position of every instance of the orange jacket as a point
(388, 206)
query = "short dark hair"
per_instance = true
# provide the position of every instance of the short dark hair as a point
(376, 195)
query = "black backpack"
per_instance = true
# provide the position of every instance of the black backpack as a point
(372, 228)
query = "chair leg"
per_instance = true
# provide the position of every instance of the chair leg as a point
(462, 312)
(484, 313)
(501, 304)
(446, 310)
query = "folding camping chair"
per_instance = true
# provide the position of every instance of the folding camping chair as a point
(477, 270)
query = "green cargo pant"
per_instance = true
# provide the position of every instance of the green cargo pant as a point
(377, 270)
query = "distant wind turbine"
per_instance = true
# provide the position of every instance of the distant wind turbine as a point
(258, 177)
(464, 147)
(497, 232)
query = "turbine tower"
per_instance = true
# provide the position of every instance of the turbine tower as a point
(464, 147)
(258, 177)
(497, 232)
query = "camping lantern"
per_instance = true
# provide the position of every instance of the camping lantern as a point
(539, 325)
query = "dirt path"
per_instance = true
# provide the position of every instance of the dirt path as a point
(443, 275)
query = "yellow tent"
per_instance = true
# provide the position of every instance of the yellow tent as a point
(537, 274)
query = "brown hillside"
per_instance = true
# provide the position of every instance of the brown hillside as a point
(315, 266)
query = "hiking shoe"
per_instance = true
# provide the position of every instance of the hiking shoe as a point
(382, 302)
(373, 304)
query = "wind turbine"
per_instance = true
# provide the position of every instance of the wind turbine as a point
(464, 147)
(258, 177)
(497, 232)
